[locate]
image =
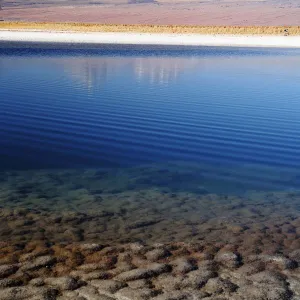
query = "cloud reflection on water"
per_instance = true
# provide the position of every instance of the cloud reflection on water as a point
(94, 72)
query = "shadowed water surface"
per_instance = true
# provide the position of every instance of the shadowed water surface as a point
(149, 144)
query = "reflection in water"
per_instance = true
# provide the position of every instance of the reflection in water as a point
(94, 72)
(163, 70)
(91, 73)
(142, 108)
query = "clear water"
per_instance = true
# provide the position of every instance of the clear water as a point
(166, 139)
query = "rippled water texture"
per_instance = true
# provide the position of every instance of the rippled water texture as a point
(117, 145)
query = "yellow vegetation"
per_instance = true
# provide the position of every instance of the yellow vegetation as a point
(86, 27)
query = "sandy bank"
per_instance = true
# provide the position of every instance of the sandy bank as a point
(150, 39)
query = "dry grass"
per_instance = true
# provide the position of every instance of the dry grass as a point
(84, 27)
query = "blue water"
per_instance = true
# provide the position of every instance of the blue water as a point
(223, 108)
(150, 144)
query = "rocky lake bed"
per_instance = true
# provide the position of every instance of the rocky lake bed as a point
(147, 233)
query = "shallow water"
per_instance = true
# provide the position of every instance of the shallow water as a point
(158, 144)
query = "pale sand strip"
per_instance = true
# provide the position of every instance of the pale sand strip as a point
(150, 39)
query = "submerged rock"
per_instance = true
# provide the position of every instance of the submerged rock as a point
(181, 295)
(62, 283)
(295, 256)
(139, 224)
(108, 286)
(6, 270)
(135, 294)
(26, 292)
(9, 282)
(37, 282)
(228, 259)
(135, 275)
(150, 271)
(90, 247)
(197, 279)
(39, 262)
(157, 254)
(183, 265)
(95, 275)
(218, 286)
(137, 284)
(168, 282)
(280, 261)
(268, 277)
(91, 293)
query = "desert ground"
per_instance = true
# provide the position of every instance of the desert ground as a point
(271, 13)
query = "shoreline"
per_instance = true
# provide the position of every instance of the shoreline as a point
(164, 39)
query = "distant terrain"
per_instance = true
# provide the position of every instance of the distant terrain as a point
(37, 3)
(179, 29)
(160, 12)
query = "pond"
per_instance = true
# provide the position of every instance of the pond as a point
(150, 145)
